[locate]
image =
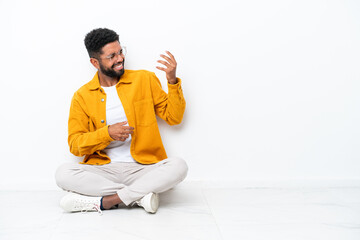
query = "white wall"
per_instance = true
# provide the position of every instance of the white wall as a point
(271, 86)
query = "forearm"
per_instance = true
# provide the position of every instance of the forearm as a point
(82, 143)
(172, 108)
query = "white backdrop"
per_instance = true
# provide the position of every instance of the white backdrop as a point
(272, 87)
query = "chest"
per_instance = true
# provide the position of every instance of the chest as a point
(124, 100)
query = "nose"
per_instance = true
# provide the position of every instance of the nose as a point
(121, 57)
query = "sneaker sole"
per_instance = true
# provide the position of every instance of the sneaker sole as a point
(154, 203)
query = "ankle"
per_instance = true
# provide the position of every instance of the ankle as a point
(108, 202)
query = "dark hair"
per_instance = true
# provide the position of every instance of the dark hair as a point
(97, 39)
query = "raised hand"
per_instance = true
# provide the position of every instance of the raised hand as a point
(169, 67)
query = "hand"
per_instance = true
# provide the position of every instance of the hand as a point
(119, 131)
(170, 67)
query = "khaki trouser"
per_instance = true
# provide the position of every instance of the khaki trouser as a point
(131, 181)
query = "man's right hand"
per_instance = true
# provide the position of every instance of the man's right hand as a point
(119, 131)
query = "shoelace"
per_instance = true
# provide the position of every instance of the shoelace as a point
(90, 208)
(97, 208)
(87, 206)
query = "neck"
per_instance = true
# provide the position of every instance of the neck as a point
(107, 81)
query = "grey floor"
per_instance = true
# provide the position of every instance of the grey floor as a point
(192, 211)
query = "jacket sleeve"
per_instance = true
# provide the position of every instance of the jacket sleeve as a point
(82, 136)
(169, 107)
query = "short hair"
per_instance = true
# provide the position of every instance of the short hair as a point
(97, 39)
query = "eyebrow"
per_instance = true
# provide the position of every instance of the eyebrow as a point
(113, 53)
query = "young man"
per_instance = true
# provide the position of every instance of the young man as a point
(112, 123)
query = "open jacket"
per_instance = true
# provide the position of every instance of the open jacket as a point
(142, 97)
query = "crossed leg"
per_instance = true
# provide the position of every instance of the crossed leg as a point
(121, 182)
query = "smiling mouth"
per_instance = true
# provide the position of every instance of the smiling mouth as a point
(118, 66)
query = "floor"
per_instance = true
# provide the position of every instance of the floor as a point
(192, 211)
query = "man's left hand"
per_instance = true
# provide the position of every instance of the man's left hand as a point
(170, 67)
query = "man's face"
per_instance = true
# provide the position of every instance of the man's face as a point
(112, 60)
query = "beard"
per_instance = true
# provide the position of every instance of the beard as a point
(110, 72)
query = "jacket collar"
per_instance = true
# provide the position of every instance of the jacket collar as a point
(95, 83)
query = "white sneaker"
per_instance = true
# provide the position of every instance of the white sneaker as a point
(150, 202)
(73, 202)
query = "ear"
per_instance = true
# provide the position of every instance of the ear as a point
(95, 63)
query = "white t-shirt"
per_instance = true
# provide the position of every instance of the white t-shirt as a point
(117, 151)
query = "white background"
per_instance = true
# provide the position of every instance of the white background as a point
(272, 87)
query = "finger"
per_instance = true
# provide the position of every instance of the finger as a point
(166, 57)
(124, 137)
(164, 63)
(127, 132)
(171, 56)
(128, 128)
(161, 68)
(122, 123)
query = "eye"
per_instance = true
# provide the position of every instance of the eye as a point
(112, 56)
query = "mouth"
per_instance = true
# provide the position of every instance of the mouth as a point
(118, 66)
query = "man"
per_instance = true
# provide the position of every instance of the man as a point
(112, 123)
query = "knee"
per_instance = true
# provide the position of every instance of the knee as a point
(62, 175)
(180, 167)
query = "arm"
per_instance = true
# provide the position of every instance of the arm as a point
(170, 107)
(82, 136)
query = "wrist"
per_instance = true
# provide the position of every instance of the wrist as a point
(110, 132)
(172, 81)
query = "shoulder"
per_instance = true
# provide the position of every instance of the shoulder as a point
(140, 77)
(139, 73)
(83, 91)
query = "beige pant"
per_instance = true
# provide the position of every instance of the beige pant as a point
(131, 181)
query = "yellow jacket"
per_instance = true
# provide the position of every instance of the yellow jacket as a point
(142, 97)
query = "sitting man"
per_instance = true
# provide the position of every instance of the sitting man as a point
(112, 122)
